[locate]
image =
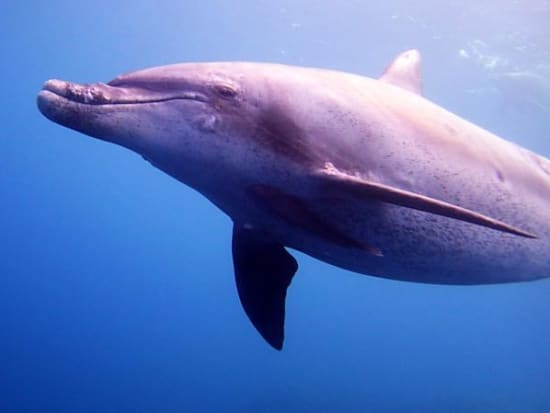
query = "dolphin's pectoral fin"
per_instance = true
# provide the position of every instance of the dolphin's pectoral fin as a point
(296, 212)
(348, 185)
(263, 272)
(404, 71)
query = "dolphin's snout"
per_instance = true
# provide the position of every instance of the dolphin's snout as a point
(79, 106)
(90, 94)
(54, 85)
(110, 94)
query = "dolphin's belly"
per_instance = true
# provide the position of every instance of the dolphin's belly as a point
(415, 246)
(420, 247)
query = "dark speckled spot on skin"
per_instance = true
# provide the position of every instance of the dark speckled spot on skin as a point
(450, 129)
(500, 176)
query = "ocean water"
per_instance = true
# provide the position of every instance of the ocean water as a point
(117, 291)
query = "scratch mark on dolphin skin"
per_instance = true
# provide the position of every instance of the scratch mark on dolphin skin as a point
(281, 134)
(543, 165)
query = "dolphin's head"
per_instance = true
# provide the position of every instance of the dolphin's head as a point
(187, 119)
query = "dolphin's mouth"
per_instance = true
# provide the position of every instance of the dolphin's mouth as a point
(104, 94)
(91, 108)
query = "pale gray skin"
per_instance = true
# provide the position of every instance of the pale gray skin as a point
(268, 144)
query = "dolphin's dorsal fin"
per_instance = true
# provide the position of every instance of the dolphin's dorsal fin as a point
(404, 71)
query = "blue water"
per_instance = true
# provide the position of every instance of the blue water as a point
(117, 291)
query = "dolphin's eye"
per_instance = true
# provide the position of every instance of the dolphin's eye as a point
(225, 91)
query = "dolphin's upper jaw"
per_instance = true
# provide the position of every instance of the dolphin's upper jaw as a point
(92, 94)
(106, 94)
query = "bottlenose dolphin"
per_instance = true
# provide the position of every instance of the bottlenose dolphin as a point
(365, 174)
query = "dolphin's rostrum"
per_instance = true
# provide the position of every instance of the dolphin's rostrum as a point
(361, 173)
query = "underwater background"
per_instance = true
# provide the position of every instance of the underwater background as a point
(117, 290)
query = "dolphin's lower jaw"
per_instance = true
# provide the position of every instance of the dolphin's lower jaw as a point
(82, 117)
(76, 106)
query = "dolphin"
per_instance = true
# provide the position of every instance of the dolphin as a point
(361, 173)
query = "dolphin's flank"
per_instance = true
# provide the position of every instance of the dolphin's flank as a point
(361, 173)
